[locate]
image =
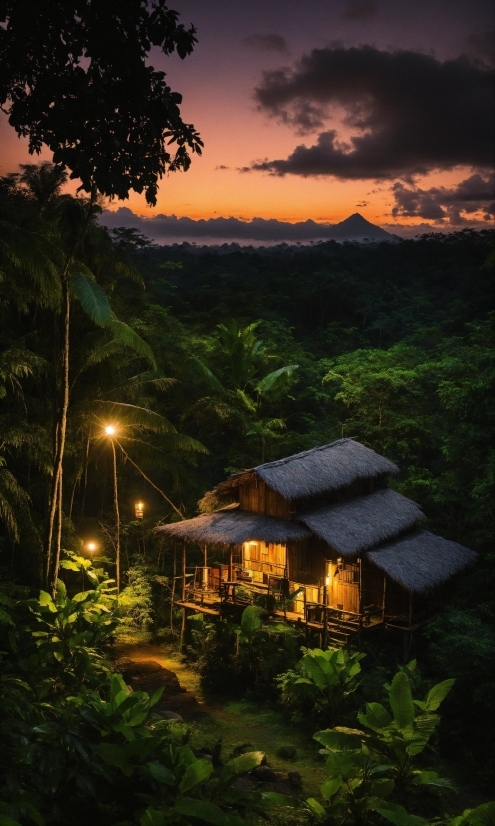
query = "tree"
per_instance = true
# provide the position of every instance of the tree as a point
(75, 78)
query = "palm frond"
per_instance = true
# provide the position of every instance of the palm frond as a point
(92, 298)
(205, 373)
(276, 380)
(128, 416)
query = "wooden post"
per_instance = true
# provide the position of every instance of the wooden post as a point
(360, 586)
(183, 595)
(172, 595)
(231, 570)
(384, 596)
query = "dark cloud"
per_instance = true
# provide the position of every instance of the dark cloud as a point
(409, 113)
(169, 228)
(453, 206)
(222, 166)
(482, 46)
(360, 10)
(267, 43)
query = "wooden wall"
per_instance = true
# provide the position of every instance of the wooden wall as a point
(256, 496)
(306, 563)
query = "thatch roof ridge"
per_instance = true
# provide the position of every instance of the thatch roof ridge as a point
(421, 560)
(323, 468)
(364, 522)
(232, 526)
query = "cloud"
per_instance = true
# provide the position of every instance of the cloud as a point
(360, 10)
(267, 43)
(482, 46)
(475, 194)
(169, 228)
(408, 113)
(222, 166)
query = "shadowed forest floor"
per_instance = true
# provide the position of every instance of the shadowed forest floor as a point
(240, 722)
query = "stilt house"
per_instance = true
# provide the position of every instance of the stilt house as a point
(324, 529)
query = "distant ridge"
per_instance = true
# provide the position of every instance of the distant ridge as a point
(357, 228)
(169, 229)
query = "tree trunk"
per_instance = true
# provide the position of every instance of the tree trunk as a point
(56, 494)
(117, 519)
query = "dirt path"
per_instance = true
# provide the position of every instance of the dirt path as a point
(236, 723)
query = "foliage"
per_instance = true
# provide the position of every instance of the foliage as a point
(244, 658)
(99, 107)
(368, 766)
(79, 745)
(320, 685)
(136, 603)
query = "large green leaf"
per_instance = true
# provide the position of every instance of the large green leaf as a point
(437, 694)
(161, 773)
(204, 811)
(340, 739)
(277, 799)
(313, 669)
(127, 337)
(243, 763)
(92, 298)
(376, 717)
(483, 815)
(251, 620)
(115, 756)
(275, 380)
(399, 817)
(196, 773)
(401, 701)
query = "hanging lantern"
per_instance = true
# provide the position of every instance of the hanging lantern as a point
(139, 510)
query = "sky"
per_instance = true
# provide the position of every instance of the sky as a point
(317, 109)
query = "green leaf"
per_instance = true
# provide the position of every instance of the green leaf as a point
(125, 336)
(399, 817)
(93, 299)
(243, 763)
(251, 620)
(7, 821)
(115, 756)
(316, 807)
(278, 378)
(376, 717)
(203, 810)
(196, 773)
(339, 739)
(152, 817)
(437, 694)
(401, 701)
(429, 778)
(331, 787)
(483, 815)
(161, 773)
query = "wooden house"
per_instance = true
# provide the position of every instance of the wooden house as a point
(324, 524)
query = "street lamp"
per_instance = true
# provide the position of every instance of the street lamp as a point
(91, 546)
(110, 431)
(139, 510)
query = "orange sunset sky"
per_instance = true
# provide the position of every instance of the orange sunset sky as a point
(239, 44)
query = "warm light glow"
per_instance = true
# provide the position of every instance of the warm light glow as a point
(110, 430)
(91, 546)
(139, 510)
(327, 580)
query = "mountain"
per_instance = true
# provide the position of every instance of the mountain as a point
(169, 229)
(357, 228)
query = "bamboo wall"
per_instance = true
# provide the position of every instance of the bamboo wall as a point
(259, 498)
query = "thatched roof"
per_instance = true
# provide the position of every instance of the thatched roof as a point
(233, 527)
(321, 469)
(364, 522)
(421, 560)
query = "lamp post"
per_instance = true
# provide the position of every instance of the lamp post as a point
(110, 431)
